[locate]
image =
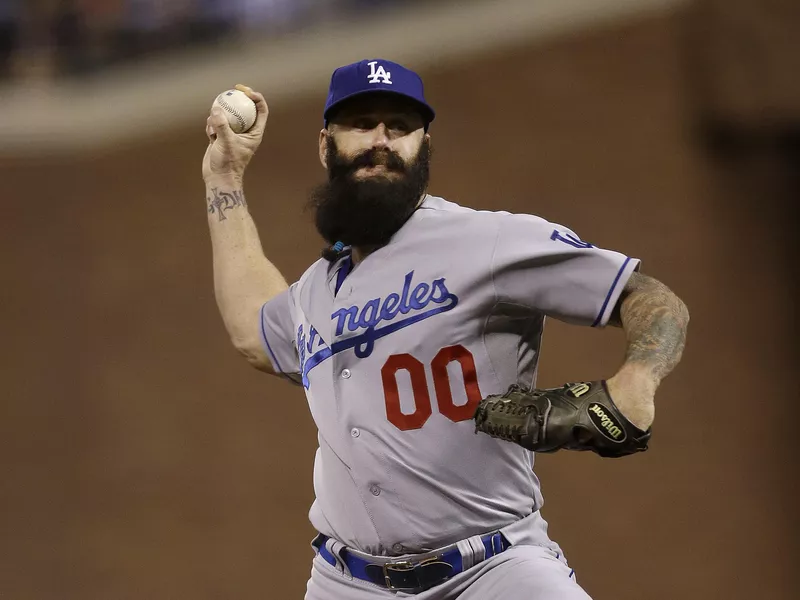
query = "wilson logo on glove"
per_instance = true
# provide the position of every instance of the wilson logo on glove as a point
(579, 389)
(606, 423)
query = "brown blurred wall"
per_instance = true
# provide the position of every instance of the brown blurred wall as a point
(142, 458)
(745, 58)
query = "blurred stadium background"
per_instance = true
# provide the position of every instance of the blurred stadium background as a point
(141, 458)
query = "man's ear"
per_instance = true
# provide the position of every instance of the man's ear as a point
(323, 147)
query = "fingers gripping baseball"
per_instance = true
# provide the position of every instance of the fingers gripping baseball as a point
(229, 153)
(220, 127)
(262, 111)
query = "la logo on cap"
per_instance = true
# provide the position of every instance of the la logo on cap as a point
(376, 75)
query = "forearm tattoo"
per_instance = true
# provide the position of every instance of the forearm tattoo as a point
(219, 202)
(655, 322)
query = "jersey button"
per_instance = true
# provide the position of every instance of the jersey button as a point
(346, 374)
(375, 490)
(355, 432)
(398, 548)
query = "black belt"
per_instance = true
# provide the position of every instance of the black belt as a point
(411, 575)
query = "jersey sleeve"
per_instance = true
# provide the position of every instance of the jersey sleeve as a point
(547, 267)
(277, 334)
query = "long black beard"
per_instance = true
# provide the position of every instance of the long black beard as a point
(368, 212)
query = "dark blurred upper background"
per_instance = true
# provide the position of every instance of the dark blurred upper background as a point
(67, 38)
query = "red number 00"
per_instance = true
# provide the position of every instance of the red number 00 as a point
(419, 387)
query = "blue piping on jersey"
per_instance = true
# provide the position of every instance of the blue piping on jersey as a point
(365, 342)
(272, 356)
(344, 271)
(611, 292)
(266, 341)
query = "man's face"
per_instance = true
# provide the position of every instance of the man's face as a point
(377, 156)
(383, 124)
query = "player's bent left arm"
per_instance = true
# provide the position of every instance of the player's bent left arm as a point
(655, 322)
(613, 417)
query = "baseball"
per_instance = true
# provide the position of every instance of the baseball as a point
(240, 110)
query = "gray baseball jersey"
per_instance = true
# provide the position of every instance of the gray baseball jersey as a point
(395, 354)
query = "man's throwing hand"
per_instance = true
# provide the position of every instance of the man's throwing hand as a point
(229, 153)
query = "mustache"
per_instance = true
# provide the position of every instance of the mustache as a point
(375, 158)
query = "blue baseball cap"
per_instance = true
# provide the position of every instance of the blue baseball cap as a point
(372, 76)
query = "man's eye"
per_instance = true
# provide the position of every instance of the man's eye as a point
(363, 124)
(401, 126)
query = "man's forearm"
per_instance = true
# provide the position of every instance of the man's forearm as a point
(655, 321)
(243, 277)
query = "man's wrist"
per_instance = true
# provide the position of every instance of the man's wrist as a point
(224, 180)
(639, 376)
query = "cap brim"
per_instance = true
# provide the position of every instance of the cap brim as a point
(426, 111)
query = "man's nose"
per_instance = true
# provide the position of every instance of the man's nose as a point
(380, 136)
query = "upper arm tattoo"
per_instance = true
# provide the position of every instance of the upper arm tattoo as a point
(637, 282)
(655, 322)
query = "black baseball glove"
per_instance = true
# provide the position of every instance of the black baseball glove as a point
(577, 416)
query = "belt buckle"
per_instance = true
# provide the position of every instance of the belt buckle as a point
(401, 565)
(497, 548)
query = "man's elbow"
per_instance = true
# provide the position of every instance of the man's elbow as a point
(253, 352)
(677, 306)
(684, 310)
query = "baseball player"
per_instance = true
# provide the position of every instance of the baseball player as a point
(416, 338)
